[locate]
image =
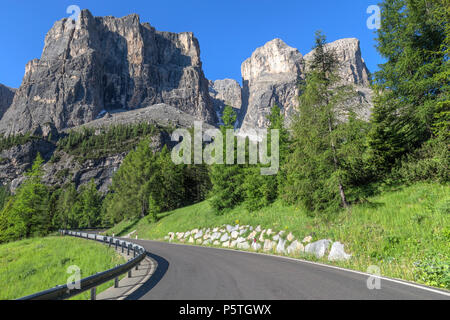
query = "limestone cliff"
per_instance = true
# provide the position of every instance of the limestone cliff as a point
(6, 98)
(104, 63)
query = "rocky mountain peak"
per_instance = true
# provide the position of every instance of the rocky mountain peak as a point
(352, 66)
(271, 76)
(105, 63)
(275, 57)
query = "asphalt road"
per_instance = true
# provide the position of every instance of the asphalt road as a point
(187, 272)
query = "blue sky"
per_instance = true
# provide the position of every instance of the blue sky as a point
(228, 31)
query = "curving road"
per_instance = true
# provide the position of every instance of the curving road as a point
(188, 272)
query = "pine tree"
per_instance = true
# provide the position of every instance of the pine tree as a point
(166, 185)
(68, 211)
(90, 203)
(130, 184)
(12, 225)
(227, 179)
(4, 196)
(146, 184)
(316, 167)
(262, 190)
(413, 38)
(29, 206)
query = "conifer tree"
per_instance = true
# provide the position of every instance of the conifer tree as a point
(90, 205)
(28, 208)
(227, 179)
(316, 168)
(262, 190)
(412, 85)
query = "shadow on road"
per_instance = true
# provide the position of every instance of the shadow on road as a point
(159, 273)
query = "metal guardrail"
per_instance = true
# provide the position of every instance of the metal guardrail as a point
(62, 292)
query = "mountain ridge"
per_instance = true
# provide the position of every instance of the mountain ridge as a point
(114, 71)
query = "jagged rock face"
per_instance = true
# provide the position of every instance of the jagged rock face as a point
(107, 63)
(352, 68)
(15, 161)
(225, 92)
(6, 98)
(270, 76)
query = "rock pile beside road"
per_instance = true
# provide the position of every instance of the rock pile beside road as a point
(246, 237)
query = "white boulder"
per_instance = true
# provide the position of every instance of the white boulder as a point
(256, 246)
(295, 248)
(198, 235)
(337, 253)
(240, 239)
(281, 246)
(261, 236)
(215, 236)
(243, 245)
(318, 248)
(268, 245)
(252, 235)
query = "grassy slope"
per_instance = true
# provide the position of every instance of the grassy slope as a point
(33, 265)
(393, 230)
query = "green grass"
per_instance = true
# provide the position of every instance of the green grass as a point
(37, 264)
(405, 231)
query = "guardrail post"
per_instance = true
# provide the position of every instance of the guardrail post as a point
(134, 252)
(123, 243)
(116, 244)
(129, 274)
(94, 293)
(128, 250)
(116, 282)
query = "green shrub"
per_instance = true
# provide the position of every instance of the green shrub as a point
(429, 163)
(434, 270)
